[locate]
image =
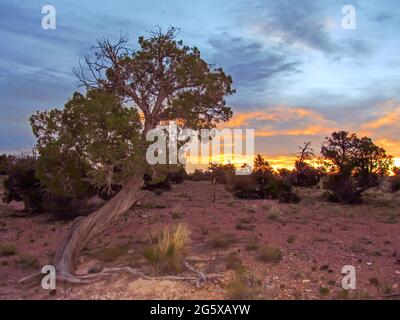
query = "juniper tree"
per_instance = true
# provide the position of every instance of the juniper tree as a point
(163, 79)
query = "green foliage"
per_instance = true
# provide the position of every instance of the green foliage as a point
(159, 179)
(96, 141)
(305, 175)
(21, 183)
(349, 155)
(28, 262)
(342, 189)
(395, 184)
(4, 163)
(220, 171)
(356, 163)
(165, 78)
(261, 184)
(91, 142)
(200, 175)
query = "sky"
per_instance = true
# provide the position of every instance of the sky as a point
(299, 75)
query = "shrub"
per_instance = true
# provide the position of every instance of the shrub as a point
(200, 175)
(342, 189)
(243, 286)
(270, 254)
(4, 163)
(219, 171)
(177, 212)
(21, 183)
(395, 184)
(305, 175)
(167, 248)
(233, 262)
(7, 249)
(28, 262)
(177, 174)
(289, 197)
(243, 187)
(158, 184)
(223, 240)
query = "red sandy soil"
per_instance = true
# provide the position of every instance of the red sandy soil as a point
(316, 238)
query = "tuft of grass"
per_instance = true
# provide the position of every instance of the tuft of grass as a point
(324, 291)
(167, 248)
(27, 262)
(243, 286)
(272, 216)
(111, 254)
(291, 239)
(233, 262)
(7, 249)
(270, 254)
(223, 240)
(252, 245)
(273, 211)
(374, 281)
(177, 212)
(242, 226)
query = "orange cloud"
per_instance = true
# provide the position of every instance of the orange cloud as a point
(307, 131)
(274, 114)
(388, 119)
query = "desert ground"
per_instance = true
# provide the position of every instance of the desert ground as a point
(315, 239)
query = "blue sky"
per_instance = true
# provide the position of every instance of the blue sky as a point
(283, 55)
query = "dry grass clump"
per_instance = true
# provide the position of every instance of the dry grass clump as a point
(7, 249)
(244, 285)
(223, 240)
(167, 248)
(270, 254)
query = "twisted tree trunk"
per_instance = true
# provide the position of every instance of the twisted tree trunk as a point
(85, 229)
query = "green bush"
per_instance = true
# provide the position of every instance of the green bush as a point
(270, 187)
(200, 175)
(342, 189)
(21, 184)
(395, 184)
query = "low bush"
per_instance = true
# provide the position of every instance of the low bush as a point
(342, 189)
(21, 184)
(271, 187)
(7, 249)
(222, 240)
(199, 175)
(244, 285)
(395, 183)
(270, 254)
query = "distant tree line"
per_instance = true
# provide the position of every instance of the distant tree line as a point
(347, 167)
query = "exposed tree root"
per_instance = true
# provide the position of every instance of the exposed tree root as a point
(200, 278)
